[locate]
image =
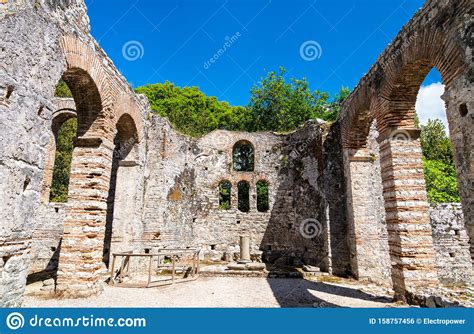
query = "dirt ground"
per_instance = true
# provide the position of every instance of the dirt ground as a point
(230, 292)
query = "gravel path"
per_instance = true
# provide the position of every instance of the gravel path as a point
(227, 292)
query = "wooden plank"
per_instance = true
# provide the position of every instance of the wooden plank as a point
(112, 279)
(149, 272)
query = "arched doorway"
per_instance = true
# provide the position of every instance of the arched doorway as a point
(119, 231)
(388, 96)
(80, 261)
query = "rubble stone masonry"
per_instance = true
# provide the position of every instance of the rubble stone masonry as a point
(348, 197)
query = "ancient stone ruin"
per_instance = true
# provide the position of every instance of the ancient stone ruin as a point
(348, 198)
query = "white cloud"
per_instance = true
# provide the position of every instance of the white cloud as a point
(429, 104)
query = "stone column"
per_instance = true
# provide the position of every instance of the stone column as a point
(81, 257)
(124, 206)
(244, 249)
(363, 225)
(406, 206)
(234, 198)
(48, 169)
(252, 196)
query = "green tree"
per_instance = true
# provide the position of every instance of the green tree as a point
(441, 182)
(278, 105)
(435, 143)
(438, 164)
(262, 196)
(62, 161)
(191, 111)
(225, 189)
(63, 155)
(62, 90)
(333, 111)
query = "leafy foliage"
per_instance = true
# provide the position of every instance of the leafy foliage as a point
(62, 161)
(262, 196)
(191, 111)
(278, 105)
(225, 188)
(62, 90)
(332, 113)
(438, 164)
(435, 143)
(275, 105)
(441, 182)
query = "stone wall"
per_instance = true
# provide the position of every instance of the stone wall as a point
(46, 241)
(438, 36)
(182, 203)
(316, 215)
(25, 114)
(177, 205)
(451, 244)
(42, 41)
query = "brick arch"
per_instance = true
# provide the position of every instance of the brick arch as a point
(80, 57)
(389, 91)
(65, 112)
(60, 116)
(406, 204)
(126, 137)
(387, 94)
(356, 118)
(88, 81)
(94, 88)
(259, 178)
(405, 72)
(127, 105)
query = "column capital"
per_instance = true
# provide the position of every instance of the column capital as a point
(401, 134)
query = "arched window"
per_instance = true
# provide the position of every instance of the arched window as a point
(243, 156)
(243, 196)
(225, 189)
(262, 196)
(63, 132)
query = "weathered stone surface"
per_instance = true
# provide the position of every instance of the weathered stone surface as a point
(348, 198)
(440, 36)
(311, 269)
(182, 198)
(451, 244)
(41, 42)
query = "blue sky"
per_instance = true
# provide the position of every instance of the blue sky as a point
(175, 39)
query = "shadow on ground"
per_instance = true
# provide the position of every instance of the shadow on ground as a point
(302, 293)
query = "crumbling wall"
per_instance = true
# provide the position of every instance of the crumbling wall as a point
(182, 199)
(334, 188)
(46, 241)
(451, 243)
(40, 39)
(438, 36)
(26, 87)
